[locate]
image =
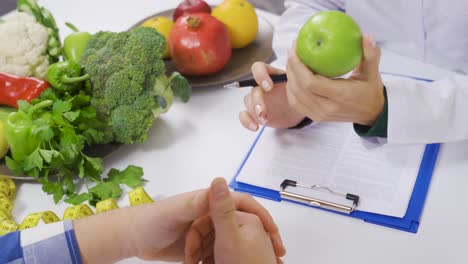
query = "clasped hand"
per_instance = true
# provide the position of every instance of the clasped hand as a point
(211, 225)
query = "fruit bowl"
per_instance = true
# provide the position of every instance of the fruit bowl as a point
(242, 59)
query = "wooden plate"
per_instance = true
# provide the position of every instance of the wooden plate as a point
(241, 61)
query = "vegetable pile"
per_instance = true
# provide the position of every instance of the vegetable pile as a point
(98, 89)
(129, 83)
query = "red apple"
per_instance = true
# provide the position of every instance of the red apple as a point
(190, 7)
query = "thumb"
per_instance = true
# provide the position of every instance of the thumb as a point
(369, 66)
(223, 210)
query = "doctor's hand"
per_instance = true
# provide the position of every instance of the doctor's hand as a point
(229, 236)
(359, 99)
(267, 104)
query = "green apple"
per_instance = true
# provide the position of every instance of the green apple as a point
(330, 44)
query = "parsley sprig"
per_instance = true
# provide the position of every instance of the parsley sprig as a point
(47, 139)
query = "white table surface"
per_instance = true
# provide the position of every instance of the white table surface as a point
(203, 139)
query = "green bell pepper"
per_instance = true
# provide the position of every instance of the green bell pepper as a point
(5, 112)
(19, 128)
(75, 44)
(65, 76)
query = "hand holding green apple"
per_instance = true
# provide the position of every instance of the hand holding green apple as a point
(358, 99)
(329, 43)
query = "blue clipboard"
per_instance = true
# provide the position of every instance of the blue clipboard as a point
(408, 223)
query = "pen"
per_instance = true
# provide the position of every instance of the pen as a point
(251, 82)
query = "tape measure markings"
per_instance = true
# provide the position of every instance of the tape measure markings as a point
(8, 193)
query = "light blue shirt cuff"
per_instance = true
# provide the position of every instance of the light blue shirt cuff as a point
(52, 243)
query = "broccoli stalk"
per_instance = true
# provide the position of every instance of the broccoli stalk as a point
(165, 88)
(128, 81)
(163, 94)
(180, 86)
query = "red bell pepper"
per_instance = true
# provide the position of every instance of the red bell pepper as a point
(14, 89)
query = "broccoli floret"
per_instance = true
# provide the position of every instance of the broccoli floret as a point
(131, 123)
(98, 41)
(123, 88)
(125, 71)
(117, 41)
(145, 36)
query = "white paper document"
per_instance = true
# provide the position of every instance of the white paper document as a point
(332, 155)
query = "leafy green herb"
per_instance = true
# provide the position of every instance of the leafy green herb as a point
(105, 190)
(110, 187)
(77, 199)
(55, 189)
(132, 176)
(47, 137)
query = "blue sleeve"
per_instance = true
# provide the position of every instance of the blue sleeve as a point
(52, 243)
(10, 246)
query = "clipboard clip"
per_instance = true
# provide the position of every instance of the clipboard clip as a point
(317, 202)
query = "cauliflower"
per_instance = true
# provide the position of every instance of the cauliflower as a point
(23, 46)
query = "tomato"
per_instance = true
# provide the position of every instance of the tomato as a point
(199, 45)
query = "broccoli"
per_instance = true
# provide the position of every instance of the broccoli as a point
(128, 82)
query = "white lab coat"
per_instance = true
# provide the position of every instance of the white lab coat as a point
(432, 31)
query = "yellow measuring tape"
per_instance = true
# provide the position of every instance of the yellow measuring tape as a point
(8, 193)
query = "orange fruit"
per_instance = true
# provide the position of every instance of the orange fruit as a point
(241, 20)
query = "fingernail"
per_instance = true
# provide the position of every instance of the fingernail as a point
(260, 115)
(262, 120)
(258, 94)
(219, 188)
(371, 40)
(253, 126)
(266, 85)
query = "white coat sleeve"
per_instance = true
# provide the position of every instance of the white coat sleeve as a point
(296, 14)
(421, 112)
